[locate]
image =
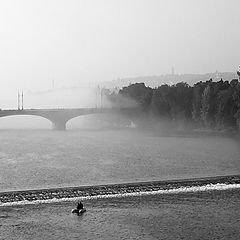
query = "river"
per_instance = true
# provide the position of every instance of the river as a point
(45, 159)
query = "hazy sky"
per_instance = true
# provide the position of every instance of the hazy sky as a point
(83, 40)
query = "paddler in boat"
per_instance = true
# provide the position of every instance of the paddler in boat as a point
(79, 206)
(79, 209)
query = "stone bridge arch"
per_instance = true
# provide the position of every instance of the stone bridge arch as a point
(59, 117)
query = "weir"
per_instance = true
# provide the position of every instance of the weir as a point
(120, 190)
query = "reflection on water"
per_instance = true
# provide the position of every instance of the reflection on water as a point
(43, 159)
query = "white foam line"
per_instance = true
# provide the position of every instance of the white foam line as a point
(208, 187)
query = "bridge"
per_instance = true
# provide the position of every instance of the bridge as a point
(59, 117)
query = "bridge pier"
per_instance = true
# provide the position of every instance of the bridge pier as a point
(59, 125)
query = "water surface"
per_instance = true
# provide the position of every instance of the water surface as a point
(196, 215)
(44, 159)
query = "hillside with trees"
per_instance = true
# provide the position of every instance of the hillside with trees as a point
(205, 105)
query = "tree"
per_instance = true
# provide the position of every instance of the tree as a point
(224, 116)
(179, 99)
(205, 102)
(138, 92)
(235, 84)
(159, 104)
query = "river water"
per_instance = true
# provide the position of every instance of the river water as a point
(44, 159)
(50, 159)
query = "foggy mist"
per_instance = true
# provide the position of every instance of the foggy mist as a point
(119, 119)
(72, 42)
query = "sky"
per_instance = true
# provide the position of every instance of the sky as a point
(72, 42)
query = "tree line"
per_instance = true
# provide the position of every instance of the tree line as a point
(209, 104)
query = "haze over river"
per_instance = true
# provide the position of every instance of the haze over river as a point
(33, 159)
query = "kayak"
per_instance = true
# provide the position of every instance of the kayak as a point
(78, 211)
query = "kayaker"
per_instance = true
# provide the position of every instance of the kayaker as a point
(79, 206)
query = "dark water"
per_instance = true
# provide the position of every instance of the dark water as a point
(196, 215)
